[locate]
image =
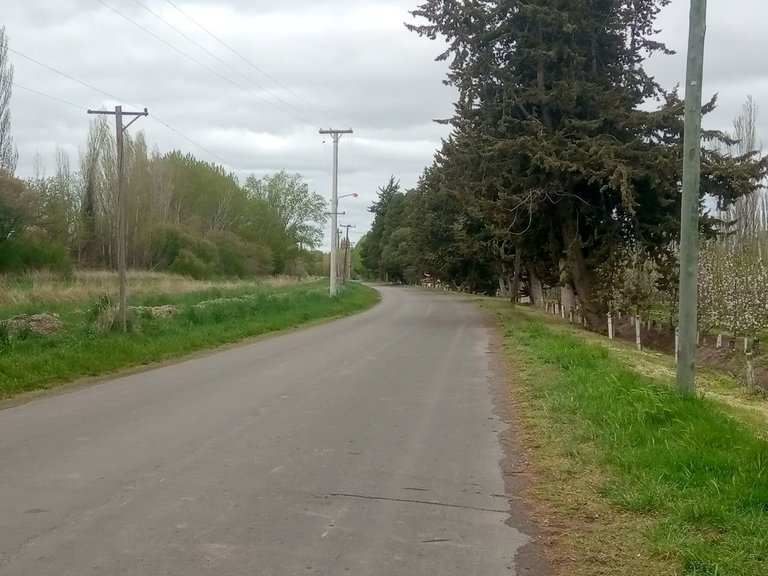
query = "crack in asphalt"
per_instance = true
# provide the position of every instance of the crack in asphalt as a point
(413, 501)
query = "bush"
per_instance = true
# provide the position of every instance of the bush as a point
(33, 253)
(222, 254)
(236, 257)
(189, 264)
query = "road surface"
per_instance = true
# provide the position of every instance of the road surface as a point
(367, 446)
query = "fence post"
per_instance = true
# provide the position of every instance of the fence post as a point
(638, 326)
(719, 341)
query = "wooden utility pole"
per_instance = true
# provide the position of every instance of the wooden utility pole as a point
(689, 221)
(336, 135)
(122, 214)
(346, 275)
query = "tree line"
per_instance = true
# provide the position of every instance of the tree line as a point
(564, 157)
(184, 214)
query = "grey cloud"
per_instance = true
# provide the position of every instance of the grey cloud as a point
(733, 68)
(351, 58)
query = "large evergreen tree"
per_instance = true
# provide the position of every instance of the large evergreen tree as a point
(554, 145)
(387, 211)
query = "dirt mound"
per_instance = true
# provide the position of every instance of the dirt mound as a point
(154, 311)
(38, 324)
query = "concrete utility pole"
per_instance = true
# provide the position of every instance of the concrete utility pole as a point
(689, 221)
(346, 274)
(336, 135)
(122, 215)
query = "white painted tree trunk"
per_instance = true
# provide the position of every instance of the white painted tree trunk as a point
(610, 326)
(568, 298)
(537, 290)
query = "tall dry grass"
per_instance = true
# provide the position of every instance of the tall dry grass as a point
(37, 287)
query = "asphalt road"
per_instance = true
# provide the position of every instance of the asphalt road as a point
(366, 446)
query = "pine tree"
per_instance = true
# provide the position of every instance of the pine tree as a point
(557, 150)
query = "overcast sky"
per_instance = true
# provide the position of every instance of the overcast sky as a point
(339, 63)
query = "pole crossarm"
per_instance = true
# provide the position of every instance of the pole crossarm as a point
(337, 133)
(136, 115)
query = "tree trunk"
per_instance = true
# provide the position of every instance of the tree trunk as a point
(502, 286)
(582, 279)
(568, 298)
(515, 290)
(537, 290)
(89, 248)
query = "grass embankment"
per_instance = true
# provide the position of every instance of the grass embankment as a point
(631, 478)
(43, 288)
(202, 319)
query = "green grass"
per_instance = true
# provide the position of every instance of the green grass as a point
(694, 477)
(31, 362)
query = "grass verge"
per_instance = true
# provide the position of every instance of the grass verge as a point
(632, 478)
(204, 319)
(33, 289)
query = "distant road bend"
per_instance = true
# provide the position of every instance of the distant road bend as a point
(367, 446)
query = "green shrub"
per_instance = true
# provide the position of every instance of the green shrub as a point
(34, 253)
(5, 337)
(221, 254)
(187, 263)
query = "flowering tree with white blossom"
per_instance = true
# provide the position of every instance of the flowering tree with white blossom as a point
(733, 287)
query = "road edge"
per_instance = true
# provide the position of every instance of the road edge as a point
(90, 381)
(533, 558)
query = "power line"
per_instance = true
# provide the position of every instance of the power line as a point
(251, 64)
(203, 148)
(118, 99)
(216, 57)
(65, 75)
(44, 95)
(202, 65)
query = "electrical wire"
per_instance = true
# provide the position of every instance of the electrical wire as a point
(65, 75)
(44, 95)
(251, 64)
(118, 99)
(202, 65)
(203, 148)
(220, 60)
